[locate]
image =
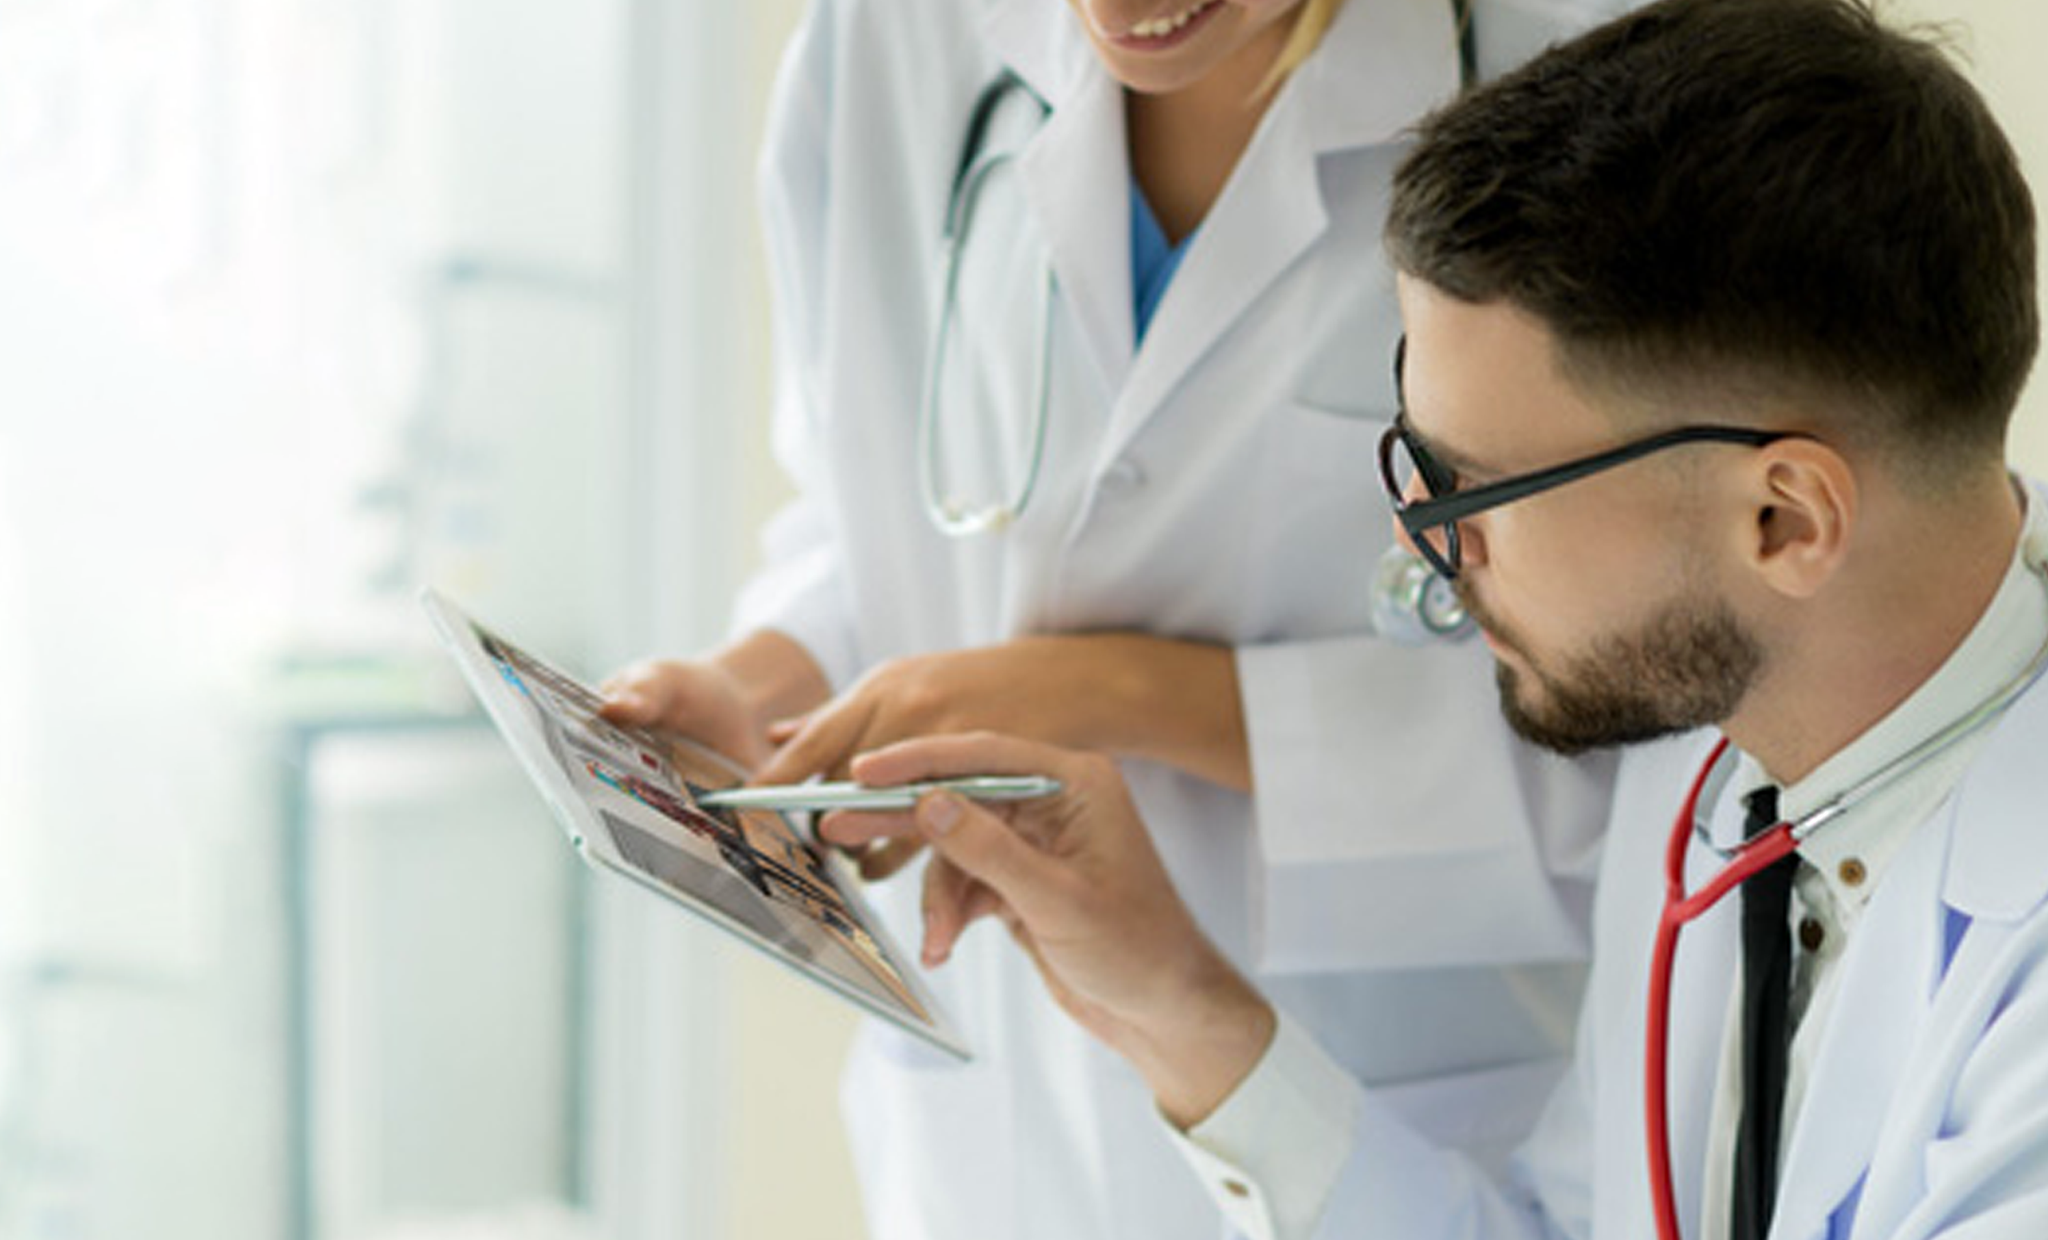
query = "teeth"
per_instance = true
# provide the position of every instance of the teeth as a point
(1160, 27)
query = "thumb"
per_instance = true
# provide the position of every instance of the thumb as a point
(984, 847)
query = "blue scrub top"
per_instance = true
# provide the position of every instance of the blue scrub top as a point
(1153, 260)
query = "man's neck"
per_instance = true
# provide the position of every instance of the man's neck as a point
(1917, 584)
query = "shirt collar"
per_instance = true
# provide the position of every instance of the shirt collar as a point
(1043, 43)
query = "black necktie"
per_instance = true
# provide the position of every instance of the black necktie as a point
(1766, 1033)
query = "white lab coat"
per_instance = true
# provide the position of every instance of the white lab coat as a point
(1927, 1114)
(1405, 868)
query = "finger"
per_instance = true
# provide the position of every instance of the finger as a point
(860, 828)
(981, 902)
(971, 753)
(948, 909)
(625, 700)
(626, 707)
(781, 730)
(885, 859)
(1031, 884)
(639, 695)
(623, 680)
(821, 746)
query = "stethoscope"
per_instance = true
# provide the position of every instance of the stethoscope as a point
(1410, 604)
(948, 509)
(1754, 854)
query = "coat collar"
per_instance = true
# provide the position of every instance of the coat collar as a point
(1998, 858)
(1379, 68)
(1041, 42)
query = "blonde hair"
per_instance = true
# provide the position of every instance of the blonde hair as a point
(1315, 18)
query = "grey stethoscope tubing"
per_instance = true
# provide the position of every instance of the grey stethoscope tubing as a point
(948, 512)
(1936, 744)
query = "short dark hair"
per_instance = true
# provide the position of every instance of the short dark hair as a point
(1779, 189)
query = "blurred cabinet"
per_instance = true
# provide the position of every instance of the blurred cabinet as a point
(436, 982)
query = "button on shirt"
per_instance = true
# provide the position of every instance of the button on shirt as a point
(1283, 1136)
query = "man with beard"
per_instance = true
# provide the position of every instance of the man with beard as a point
(1715, 321)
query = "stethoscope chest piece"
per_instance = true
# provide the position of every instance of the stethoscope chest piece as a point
(1413, 605)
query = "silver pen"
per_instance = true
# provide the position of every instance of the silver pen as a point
(830, 796)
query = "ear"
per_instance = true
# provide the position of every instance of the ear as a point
(1805, 507)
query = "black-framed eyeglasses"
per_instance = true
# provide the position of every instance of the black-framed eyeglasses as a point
(1432, 523)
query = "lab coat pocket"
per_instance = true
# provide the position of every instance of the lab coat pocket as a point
(1319, 522)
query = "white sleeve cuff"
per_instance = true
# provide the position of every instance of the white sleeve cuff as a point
(1272, 1153)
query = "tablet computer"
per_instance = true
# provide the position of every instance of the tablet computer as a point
(628, 798)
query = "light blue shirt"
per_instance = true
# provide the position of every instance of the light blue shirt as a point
(1153, 260)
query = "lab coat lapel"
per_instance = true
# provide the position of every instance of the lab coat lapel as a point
(1860, 1063)
(1998, 863)
(1380, 67)
(1075, 175)
(1270, 213)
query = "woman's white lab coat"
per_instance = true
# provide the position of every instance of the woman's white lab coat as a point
(1927, 1114)
(1405, 872)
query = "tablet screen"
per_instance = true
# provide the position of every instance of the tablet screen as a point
(628, 798)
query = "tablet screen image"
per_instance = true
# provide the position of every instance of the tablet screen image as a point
(627, 797)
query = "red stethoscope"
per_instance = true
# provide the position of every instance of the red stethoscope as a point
(1754, 854)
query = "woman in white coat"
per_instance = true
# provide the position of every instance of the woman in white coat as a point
(1188, 585)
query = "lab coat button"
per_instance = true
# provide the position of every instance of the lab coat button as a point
(1852, 872)
(1812, 934)
(1236, 1188)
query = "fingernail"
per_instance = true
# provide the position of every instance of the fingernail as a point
(940, 812)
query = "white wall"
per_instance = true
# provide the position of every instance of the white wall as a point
(232, 442)
(2003, 42)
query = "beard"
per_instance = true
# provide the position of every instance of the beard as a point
(1686, 667)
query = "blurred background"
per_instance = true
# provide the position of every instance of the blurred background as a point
(304, 303)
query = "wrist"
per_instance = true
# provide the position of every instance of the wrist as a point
(774, 675)
(1175, 702)
(1196, 1052)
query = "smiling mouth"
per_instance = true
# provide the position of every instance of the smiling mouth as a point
(1156, 29)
